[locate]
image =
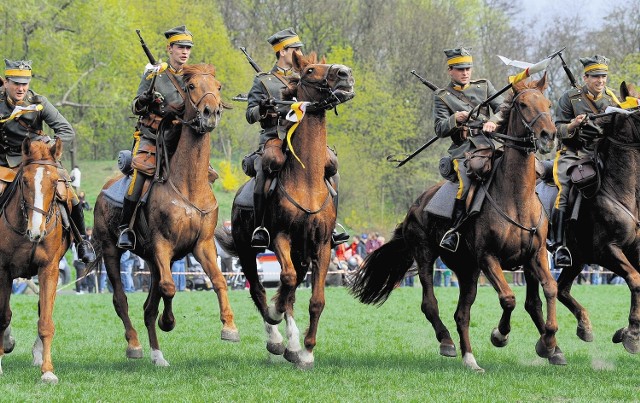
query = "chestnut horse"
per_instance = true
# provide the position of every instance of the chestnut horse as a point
(34, 239)
(509, 230)
(182, 213)
(300, 215)
(606, 230)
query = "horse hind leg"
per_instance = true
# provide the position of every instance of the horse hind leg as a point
(630, 336)
(150, 315)
(565, 281)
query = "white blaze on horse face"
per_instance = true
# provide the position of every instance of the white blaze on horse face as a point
(37, 218)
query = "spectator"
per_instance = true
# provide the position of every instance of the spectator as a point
(24, 286)
(127, 260)
(442, 272)
(83, 201)
(362, 246)
(372, 243)
(76, 175)
(65, 271)
(102, 280)
(141, 276)
(354, 245)
(178, 274)
(81, 285)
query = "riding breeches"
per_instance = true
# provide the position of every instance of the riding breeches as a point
(564, 158)
(464, 182)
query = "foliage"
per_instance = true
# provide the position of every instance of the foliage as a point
(363, 353)
(229, 176)
(88, 61)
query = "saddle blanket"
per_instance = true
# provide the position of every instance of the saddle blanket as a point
(244, 197)
(442, 203)
(118, 189)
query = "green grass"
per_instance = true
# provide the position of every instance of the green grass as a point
(363, 353)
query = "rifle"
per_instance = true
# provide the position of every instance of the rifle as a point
(152, 60)
(566, 69)
(251, 61)
(391, 158)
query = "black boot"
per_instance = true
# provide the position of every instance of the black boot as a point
(260, 239)
(561, 254)
(83, 246)
(451, 238)
(127, 237)
(337, 237)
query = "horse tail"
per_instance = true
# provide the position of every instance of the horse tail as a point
(382, 270)
(225, 240)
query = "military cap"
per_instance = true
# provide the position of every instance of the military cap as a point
(595, 66)
(179, 36)
(459, 58)
(18, 71)
(286, 38)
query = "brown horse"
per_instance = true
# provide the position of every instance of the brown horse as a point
(606, 230)
(34, 239)
(300, 214)
(509, 230)
(181, 213)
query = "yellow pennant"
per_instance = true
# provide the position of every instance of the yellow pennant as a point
(21, 110)
(295, 115)
(155, 69)
(630, 103)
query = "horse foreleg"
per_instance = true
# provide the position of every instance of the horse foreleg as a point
(150, 315)
(468, 291)
(430, 305)
(288, 281)
(565, 281)
(111, 256)
(493, 272)
(7, 342)
(46, 329)
(208, 258)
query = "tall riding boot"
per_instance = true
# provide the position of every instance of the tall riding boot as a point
(260, 238)
(337, 237)
(83, 246)
(561, 254)
(127, 237)
(451, 238)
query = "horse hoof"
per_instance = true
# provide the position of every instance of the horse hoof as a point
(9, 345)
(585, 333)
(273, 317)
(230, 335)
(304, 366)
(134, 352)
(469, 361)
(158, 359)
(631, 343)
(498, 339)
(557, 358)
(166, 326)
(49, 378)
(618, 336)
(448, 350)
(275, 348)
(292, 356)
(542, 350)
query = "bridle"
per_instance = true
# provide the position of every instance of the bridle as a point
(198, 123)
(321, 85)
(527, 143)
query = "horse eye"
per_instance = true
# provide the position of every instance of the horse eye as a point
(191, 86)
(310, 70)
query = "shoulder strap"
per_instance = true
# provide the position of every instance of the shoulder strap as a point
(589, 103)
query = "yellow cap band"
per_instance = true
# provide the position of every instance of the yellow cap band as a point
(17, 73)
(180, 37)
(459, 59)
(281, 45)
(596, 67)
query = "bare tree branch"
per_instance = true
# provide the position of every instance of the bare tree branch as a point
(65, 98)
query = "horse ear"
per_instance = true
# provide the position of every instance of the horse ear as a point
(56, 149)
(542, 84)
(323, 60)
(26, 145)
(298, 59)
(624, 90)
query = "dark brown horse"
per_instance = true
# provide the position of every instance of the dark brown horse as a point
(34, 239)
(182, 213)
(509, 231)
(301, 214)
(607, 229)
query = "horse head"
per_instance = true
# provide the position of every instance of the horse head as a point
(203, 103)
(38, 178)
(326, 85)
(527, 113)
(622, 128)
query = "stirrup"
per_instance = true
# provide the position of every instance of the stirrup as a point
(260, 238)
(338, 238)
(449, 236)
(565, 255)
(88, 254)
(126, 232)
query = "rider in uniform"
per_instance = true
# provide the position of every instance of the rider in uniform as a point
(267, 88)
(578, 136)
(452, 105)
(14, 128)
(165, 101)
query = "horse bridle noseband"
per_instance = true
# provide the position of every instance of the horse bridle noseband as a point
(322, 85)
(197, 123)
(529, 139)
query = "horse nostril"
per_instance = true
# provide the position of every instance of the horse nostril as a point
(344, 72)
(206, 112)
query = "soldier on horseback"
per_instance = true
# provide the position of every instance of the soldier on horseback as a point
(262, 107)
(22, 114)
(578, 137)
(153, 105)
(452, 106)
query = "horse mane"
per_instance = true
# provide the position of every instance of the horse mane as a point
(38, 150)
(191, 69)
(506, 106)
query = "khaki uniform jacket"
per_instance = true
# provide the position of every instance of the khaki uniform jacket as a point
(448, 100)
(571, 104)
(266, 85)
(173, 102)
(30, 124)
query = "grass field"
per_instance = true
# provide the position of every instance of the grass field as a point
(363, 353)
